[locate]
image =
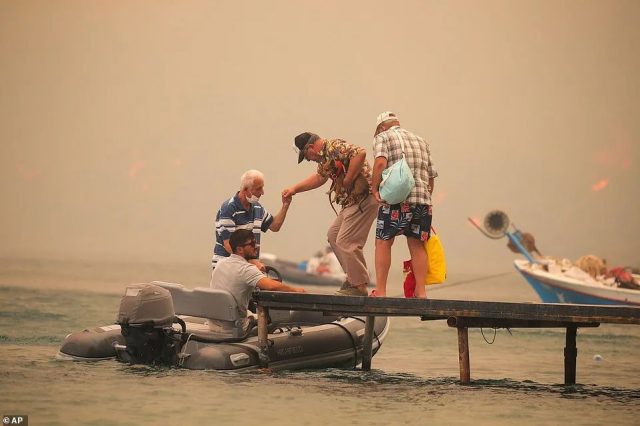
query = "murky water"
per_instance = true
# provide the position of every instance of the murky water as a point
(515, 380)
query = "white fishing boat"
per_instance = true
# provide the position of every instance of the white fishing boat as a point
(556, 287)
(559, 281)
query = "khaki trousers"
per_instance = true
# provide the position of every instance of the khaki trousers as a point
(347, 235)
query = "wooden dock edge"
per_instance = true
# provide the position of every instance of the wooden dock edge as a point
(461, 315)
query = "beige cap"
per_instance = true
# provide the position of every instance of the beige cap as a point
(385, 116)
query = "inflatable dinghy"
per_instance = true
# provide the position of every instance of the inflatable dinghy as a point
(204, 329)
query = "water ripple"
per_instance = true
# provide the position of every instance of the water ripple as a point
(402, 381)
(30, 340)
(31, 314)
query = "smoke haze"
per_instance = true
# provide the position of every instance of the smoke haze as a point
(124, 125)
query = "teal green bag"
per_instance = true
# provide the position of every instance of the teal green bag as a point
(397, 181)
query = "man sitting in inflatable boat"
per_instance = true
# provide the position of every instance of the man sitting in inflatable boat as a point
(239, 277)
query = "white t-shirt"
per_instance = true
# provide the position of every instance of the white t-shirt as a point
(237, 276)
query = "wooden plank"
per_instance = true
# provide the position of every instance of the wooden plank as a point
(442, 309)
(367, 343)
(512, 323)
(263, 335)
(463, 355)
(570, 356)
(461, 314)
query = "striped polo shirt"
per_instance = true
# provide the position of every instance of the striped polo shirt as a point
(231, 216)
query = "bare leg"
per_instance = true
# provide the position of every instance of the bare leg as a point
(419, 265)
(383, 263)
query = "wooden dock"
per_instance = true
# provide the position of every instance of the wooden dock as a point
(460, 314)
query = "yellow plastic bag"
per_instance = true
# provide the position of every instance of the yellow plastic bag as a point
(436, 261)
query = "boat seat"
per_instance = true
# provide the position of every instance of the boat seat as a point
(203, 302)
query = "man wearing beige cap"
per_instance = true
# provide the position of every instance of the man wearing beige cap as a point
(411, 218)
(350, 174)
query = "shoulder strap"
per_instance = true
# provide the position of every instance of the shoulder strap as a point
(401, 141)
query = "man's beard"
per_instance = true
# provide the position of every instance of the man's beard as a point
(250, 256)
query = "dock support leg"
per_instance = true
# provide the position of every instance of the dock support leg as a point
(263, 340)
(570, 356)
(367, 344)
(463, 355)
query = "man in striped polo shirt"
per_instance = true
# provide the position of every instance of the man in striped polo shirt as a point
(244, 211)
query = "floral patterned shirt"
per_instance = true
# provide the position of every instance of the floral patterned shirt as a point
(334, 153)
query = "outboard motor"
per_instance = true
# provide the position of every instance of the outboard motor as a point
(146, 319)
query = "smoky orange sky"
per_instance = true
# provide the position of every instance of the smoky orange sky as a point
(125, 124)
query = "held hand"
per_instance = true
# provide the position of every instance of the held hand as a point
(288, 193)
(287, 200)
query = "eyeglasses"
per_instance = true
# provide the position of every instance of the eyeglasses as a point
(251, 243)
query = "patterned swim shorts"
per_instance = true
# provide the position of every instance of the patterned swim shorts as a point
(410, 220)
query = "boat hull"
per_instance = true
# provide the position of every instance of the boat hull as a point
(552, 288)
(304, 341)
